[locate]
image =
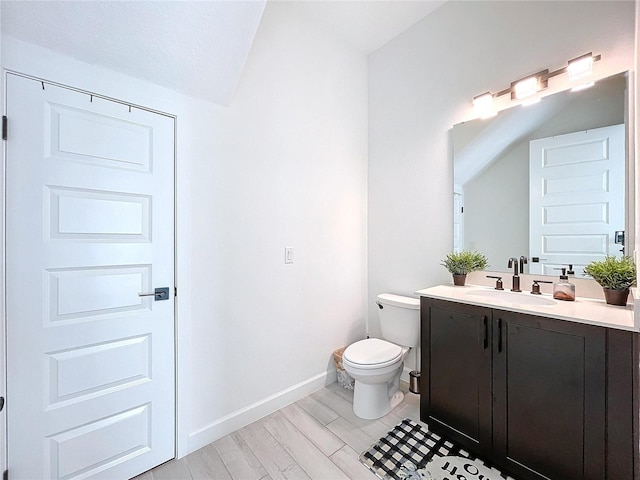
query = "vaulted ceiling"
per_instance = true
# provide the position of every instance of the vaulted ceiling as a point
(195, 47)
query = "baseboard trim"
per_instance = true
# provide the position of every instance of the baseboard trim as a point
(257, 410)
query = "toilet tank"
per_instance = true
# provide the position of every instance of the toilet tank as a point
(399, 319)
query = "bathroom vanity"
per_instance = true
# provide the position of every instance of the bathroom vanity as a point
(543, 389)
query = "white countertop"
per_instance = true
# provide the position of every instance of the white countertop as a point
(582, 310)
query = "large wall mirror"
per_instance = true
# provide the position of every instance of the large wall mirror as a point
(546, 181)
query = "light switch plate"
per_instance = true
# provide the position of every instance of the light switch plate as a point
(288, 254)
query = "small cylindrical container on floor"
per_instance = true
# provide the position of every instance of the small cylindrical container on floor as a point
(414, 381)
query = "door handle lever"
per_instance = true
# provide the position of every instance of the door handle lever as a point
(158, 294)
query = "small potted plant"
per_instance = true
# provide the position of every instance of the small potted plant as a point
(463, 262)
(615, 276)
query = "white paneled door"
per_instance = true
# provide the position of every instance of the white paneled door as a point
(90, 227)
(576, 198)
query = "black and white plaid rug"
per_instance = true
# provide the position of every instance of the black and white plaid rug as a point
(410, 451)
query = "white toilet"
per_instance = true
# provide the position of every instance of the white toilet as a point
(376, 364)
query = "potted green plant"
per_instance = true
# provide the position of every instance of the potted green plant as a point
(463, 262)
(615, 276)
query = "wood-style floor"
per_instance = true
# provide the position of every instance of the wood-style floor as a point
(318, 437)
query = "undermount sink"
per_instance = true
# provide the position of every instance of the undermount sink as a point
(512, 297)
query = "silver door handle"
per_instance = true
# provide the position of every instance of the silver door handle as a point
(159, 294)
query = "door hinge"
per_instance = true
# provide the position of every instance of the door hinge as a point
(175, 291)
(4, 127)
(1, 403)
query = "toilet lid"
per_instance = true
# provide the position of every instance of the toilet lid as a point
(372, 351)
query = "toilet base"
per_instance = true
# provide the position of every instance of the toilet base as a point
(371, 401)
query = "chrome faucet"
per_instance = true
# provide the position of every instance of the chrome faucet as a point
(515, 280)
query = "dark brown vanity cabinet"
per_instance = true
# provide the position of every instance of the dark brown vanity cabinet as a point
(455, 383)
(539, 397)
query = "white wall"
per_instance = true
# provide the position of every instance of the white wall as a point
(288, 168)
(422, 82)
(283, 165)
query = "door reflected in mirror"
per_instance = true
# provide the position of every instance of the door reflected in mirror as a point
(547, 181)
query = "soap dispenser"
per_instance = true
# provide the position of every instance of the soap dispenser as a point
(563, 289)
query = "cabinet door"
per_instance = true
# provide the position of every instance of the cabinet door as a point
(549, 397)
(456, 378)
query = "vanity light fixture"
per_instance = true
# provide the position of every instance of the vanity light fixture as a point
(580, 67)
(528, 87)
(525, 88)
(483, 105)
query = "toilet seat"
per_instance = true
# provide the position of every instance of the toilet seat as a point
(372, 353)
